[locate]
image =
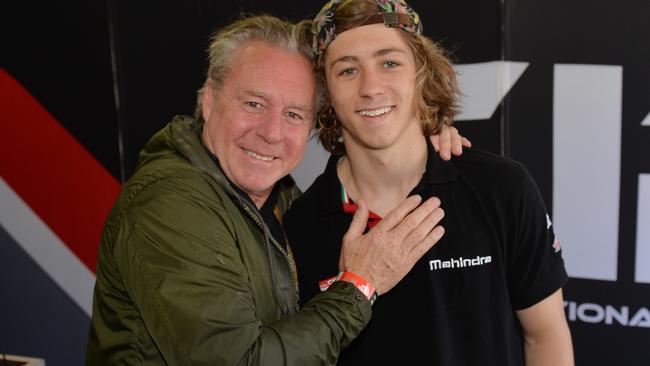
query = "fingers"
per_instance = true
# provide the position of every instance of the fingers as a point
(359, 222)
(445, 143)
(435, 141)
(396, 215)
(413, 221)
(448, 142)
(423, 246)
(456, 141)
(423, 229)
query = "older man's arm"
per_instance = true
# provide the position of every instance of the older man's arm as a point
(187, 285)
(546, 333)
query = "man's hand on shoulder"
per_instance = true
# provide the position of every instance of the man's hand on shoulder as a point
(448, 142)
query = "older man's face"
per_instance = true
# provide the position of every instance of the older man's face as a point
(258, 123)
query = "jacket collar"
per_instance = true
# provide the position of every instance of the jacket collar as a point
(183, 134)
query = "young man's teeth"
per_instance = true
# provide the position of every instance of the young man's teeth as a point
(258, 156)
(375, 112)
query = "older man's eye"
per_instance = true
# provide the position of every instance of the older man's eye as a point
(254, 105)
(295, 118)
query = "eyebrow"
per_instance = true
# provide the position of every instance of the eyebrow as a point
(266, 96)
(255, 93)
(378, 53)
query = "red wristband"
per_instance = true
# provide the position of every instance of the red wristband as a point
(359, 282)
(325, 284)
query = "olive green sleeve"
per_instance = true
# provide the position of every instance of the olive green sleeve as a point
(179, 257)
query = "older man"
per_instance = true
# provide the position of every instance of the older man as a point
(194, 267)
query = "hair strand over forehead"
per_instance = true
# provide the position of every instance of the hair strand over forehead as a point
(224, 44)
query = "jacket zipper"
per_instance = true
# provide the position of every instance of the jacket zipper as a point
(285, 254)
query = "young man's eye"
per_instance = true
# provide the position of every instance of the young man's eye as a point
(391, 64)
(347, 72)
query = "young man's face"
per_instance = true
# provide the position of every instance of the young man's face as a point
(258, 123)
(370, 73)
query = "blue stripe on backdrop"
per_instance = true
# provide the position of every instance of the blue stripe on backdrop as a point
(36, 317)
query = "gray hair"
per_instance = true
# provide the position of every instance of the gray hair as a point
(274, 31)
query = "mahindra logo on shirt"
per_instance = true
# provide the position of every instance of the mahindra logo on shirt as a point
(461, 262)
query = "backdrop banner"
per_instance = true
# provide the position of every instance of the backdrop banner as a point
(561, 86)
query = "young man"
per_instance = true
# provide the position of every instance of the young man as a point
(194, 267)
(490, 292)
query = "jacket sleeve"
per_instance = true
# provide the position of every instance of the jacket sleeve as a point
(180, 260)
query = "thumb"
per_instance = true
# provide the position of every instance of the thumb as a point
(359, 221)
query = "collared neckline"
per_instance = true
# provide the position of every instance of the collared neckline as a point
(327, 188)
(438, 170)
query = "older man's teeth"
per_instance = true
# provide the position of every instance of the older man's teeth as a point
(258, 156)
(375, 112)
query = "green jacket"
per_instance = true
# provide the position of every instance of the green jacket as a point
(188, 273)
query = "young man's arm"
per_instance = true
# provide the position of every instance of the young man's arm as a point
(546, 333)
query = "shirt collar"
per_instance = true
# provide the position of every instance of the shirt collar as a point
(327, 187)
(438, 170)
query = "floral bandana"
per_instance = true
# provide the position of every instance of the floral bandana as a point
(392, 12)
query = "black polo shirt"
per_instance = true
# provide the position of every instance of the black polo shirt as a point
(457, 305)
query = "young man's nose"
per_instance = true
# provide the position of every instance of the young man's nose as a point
(371, 84)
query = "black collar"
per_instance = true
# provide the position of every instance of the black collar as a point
(327, 188)
(438, 170)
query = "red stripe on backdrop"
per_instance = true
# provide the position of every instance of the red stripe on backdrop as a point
(50, 170)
